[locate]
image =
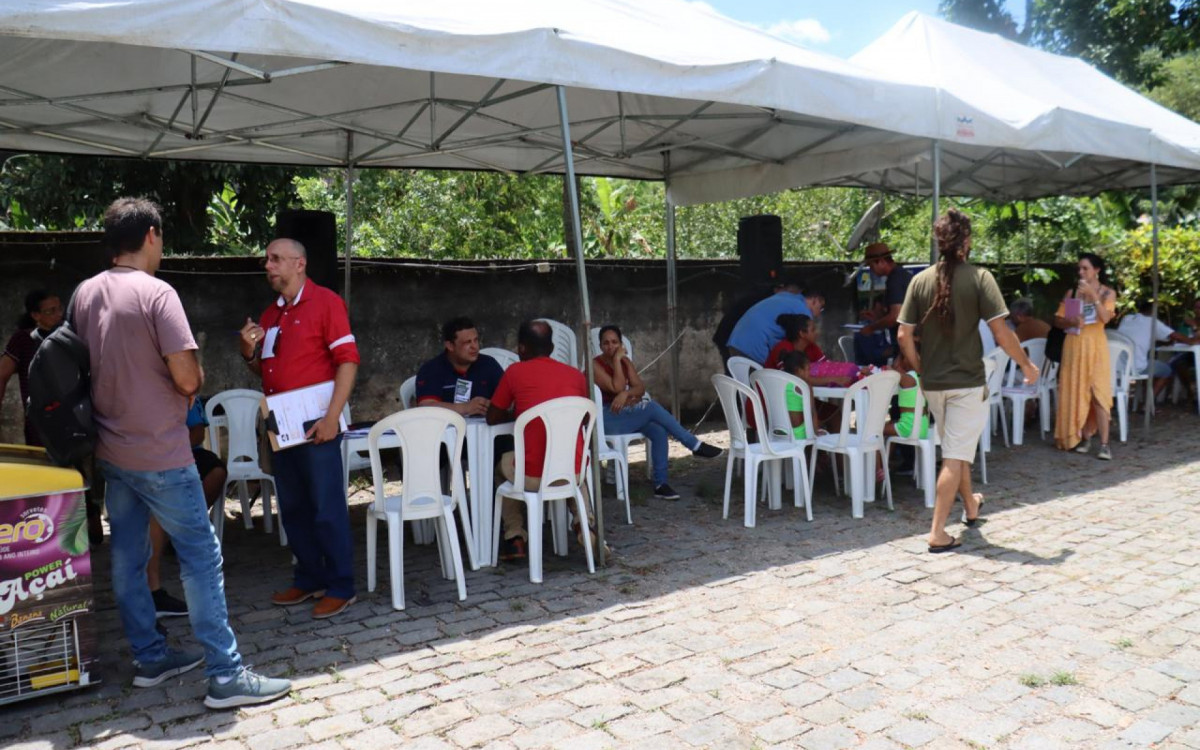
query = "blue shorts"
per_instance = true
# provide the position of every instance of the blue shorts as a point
(1161, 369)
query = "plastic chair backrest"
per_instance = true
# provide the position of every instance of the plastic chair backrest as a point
(1112, 335)
(421, 432)
(1036, 349)
(408, 393)
(879, 388)
(503, 356)
(599, 399)
(1120, 353)
(594, 343)
(733, 396)
(846, 344)
(995, 378)
(564, 419)
(566, 346)
(774, 386)
(740, 368)
(241, 406)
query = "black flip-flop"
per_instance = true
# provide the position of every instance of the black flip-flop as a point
(973, 522)
(955, 543)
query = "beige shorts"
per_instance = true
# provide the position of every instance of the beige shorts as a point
(961, 415)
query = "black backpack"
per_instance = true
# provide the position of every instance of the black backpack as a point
(60, 394)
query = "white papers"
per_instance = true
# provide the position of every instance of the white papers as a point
(288, 413)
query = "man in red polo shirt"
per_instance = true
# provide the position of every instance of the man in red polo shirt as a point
(303, 339)
(532, 381)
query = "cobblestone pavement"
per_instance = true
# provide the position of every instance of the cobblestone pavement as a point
(1069, 619)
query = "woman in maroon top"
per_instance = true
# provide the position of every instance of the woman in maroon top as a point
(43, 313)
(628, 412)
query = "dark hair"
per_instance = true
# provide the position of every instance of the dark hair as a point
(1023, 306)
(952, 231)
(793, 325)
(606, 329)
(1145, 307)
(33, 303)
(792, 361)
(126, 222)
(1097, 263)
(809, 293)
(536, 337)
(451, 327)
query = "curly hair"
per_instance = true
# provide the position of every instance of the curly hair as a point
(953, 233)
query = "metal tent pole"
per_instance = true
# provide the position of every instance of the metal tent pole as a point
(937, 198)
(349, 213)
(672, 286)
(576, 239)
(1028, 290)
(1154, 298)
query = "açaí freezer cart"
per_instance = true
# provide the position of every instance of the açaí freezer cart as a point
(46, 605)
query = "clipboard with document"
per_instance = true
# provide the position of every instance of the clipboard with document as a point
(289, 415)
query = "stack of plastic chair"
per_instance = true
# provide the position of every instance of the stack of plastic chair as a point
(564, 419)
(241, 408)
(566, 346)
(421, 433)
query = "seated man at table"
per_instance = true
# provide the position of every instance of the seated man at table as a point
(532, 381)
(1024, 323)
(460, 378)
(1138, 327)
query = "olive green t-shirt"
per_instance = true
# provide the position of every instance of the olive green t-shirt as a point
(952, 352)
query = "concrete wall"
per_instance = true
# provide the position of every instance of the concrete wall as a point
(397, 309)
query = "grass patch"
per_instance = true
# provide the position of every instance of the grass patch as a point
(1063, 678)
(627, 589)
(1123, 643)
(1031, 680)
(916, 715)
(516, 605)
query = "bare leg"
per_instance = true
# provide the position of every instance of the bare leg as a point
(1102, 421)
(949, 481)
(214, 482)
(158, 540)
(971, 500)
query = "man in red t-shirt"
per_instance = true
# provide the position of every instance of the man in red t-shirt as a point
(532, 381)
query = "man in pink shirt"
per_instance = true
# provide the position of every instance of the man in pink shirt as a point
(144, 372)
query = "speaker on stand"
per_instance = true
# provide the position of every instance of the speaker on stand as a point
(760, 248)
(317, 231)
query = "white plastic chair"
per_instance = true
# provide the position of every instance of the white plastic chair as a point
(241, 407)
(740, 369)
(926, 448)
(1120, 354)
(566, 345)
(564, 420)
(408, 393)
(1135, 377)
(1014, 390)
(773, 385)
(594, 343)
(420, 432)
(503, 356)
(846, 344)
(734, 396)
(616, 453)
(861, 444)
(995, 386)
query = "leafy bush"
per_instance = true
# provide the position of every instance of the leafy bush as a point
(1132, 260)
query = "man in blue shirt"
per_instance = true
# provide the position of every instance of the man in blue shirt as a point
(758, 331)
(460, 378)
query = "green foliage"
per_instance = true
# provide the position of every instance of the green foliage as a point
(1179, 268)
(1177, 85)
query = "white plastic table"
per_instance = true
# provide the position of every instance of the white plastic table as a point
(1195, 350)
(481, 462)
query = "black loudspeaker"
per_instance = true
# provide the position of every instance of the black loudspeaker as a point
(317, 231)
(760, 247)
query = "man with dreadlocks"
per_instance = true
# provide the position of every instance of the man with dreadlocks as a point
(948, 300)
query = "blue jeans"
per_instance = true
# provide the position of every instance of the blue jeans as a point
(655, 423)
(312, 501)
(176, 498)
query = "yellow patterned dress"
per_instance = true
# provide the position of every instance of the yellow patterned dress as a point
(1085, 374)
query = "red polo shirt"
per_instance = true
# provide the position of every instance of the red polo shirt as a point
(529, 383)
(312, 339)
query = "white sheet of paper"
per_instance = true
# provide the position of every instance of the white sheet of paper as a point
(269, 342)
(293, 408)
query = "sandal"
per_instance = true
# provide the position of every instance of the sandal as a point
(954, 543)
(973, 522)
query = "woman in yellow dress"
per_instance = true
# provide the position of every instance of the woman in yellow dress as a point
(1084, 377)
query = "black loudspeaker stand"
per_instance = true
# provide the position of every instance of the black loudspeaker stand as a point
(760, 247)
(317, 231)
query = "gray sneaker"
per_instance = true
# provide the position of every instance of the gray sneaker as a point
(246, 689)
(1084, 446)
(173, 664)
(1105, 454)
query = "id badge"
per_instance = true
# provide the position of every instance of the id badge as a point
(462, 391)
(268, 350)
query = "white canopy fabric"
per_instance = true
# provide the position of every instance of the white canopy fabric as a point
(1013, 123)
(466, 84)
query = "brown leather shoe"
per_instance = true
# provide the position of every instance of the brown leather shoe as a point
(294, 595)
(330, 606)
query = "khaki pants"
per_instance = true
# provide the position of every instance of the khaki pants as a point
(512, 522)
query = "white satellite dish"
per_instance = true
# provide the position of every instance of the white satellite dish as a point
(866, 228)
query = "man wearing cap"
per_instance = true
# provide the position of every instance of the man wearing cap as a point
(879, 261)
